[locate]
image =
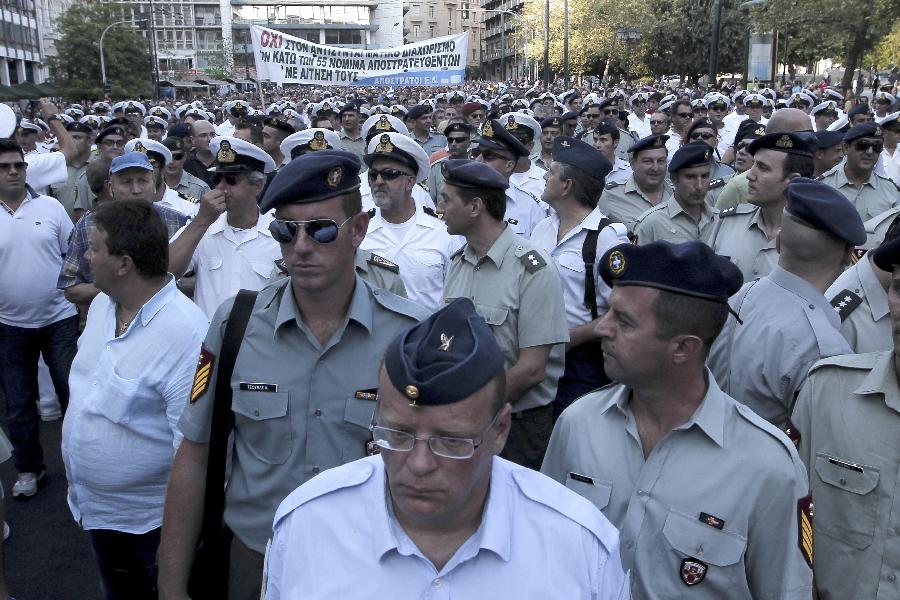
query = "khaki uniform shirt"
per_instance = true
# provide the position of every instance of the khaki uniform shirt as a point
(667, 221)
(862, 304)
(848, 419)
(625, 202)
(877, 195)
(436, 179)
(355, 145)
(191, 186)
(431, 144)
(299, 407)
(517, 290)
(738, 234)
(710, 513)
(375, 269)
(877, 226)
(67, 192)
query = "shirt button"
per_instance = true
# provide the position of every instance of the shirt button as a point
(256, 413)
(629, 544)
(476, 268)
(642, 492)
(315, 470)
(812, 307)
(436, 583)
(843, 481)
(891, 577)
(318, 412)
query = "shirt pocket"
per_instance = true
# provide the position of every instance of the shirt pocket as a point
(262, 424)
(687, 537)
(212, 263)
(358, 415)
(847, 504)
(595, 490)
(571, 262)
(117, 401)
(263, 269)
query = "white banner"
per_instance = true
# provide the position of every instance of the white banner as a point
(283, 58)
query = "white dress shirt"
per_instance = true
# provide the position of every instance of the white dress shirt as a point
(127, 393)
(173, 200)
(641, 128)
(337, 537)
(532, 180)
(523, 211)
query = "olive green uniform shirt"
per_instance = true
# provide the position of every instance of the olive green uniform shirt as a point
(668, 221)
(625, 202)
(738, 233)
(875, 196)
(862, 304)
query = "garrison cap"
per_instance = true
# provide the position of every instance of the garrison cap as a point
(799, 144)
(446, 358)
(130, 160)
(691, 155)
(651, 142)
(313, 177)
(472, 175)
(689, 268)
(158, 154)
(581, 155)
(828, 139)
(310, 140)
(237, 156)
(495, 137)
(863, 130)
(402, 148)
(554, 121)
(824, 208)
(887, 255)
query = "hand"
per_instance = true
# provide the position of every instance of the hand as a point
(48, 109)
(212, 204)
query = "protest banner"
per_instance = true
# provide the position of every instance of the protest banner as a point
(281, 58)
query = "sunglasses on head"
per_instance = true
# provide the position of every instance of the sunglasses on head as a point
(862, 146)
(702, 136)
(323, 231)
(386, 174)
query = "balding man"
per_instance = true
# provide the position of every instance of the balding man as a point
(200, 159)
(784, 120)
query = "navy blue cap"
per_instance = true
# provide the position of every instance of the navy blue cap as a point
(446, 358)
(78, 127)
(417, 111)
(689, 268)
(824, 208)
(749, 130)
(691, 155)
(495, 137)
(554, 121)
(313, 177)
(178, 130)
(863, 130)
(859, 109)
(607, 102)
(800, 144)
(887, 255)
(606, 126)
(472, 174)
(458, 128)
(651, 142)
(703, 123)
(828, 139)
(349, 107)
(569, 116)
(582, 156)
(112, 130)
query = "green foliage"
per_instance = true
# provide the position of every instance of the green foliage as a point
(76, 68)
(887, 52)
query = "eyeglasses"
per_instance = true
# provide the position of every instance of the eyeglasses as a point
(863, 146)
(685, 115)
(490, 155)
(323, 231)
(456, 448)
(457, 140)
(18, 166)
(113, 143)
(178, 156)
(386, 174)
(703, 136)
(652, 122)
(610, 112)
(228, 178)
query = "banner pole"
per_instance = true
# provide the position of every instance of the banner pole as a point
(262, 97)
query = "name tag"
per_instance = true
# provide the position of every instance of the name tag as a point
(258, 387)
(581, 478)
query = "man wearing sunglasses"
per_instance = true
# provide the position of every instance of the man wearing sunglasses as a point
(437, 510)
(856, 177)
(459, 138)
(305, 389)
(527, 175)
(638, 121)
(681, 116)
(408, 235)
(177, 178)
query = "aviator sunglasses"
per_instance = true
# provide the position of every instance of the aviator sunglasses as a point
(323, 231)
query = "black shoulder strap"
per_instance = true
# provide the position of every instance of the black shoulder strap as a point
(589, 256)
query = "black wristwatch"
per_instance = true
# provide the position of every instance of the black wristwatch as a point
(52, 118)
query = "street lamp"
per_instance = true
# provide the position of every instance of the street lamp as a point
(102, 60)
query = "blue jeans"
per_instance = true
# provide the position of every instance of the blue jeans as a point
(127, 563)
(19, 351)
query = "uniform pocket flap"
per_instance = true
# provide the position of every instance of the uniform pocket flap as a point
(598, 492)
(846, 475)
(691, 537)
(260, 406)
(213, 262)
(572, 261)
(493, 315)
(359, 411)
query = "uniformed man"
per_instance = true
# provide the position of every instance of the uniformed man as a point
(883, 103)
(445, 515)
(235, 111)
(705, 494)
(575, 237)
(829, 151)
(309, 140)
(501, 151)
(175, 176)
(274, 131)
(517, 293)
(160, 156)
(67, 192)
(824, 114)
(746, 233)
(647, 187)
(638, 120)
(606, 139)
(419, 120)
(847, 420)
(459, 138)
(786, 312)
(409, 236)
(351, 134)
(527, 175)
(551, 128)
(704, 130)
(303, 393)
(685, 215)
(860, 297)
(856, 178)
(681, 117)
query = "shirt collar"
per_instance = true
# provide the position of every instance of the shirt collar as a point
(262, 224)
(841, 179)
(882, 380)
(805, 290)
(875, 294)
(360, 309)
(421, 219)
(498, 249)
(158, 301)
(344, 136)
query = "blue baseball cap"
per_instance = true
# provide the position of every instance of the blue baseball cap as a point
(130, 160)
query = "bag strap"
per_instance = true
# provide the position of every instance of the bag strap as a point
(589, 256)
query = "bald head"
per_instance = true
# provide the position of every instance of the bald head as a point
(787, 120)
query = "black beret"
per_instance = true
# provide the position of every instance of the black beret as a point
(179, 130)
(313, 177)
(114, 130)
(495, 137)
(863, 130)
(417, 111)
(749, 130)
(569, 116)
(174, 143)
(887, 255)
(859, 109)
(79, 127)
(691, 155)
(607, 126)
(651, 142)
(472, 174)
(349, 107)
(554, 121)
(800, 144)
(703, 123)
(608, 102)
(824, 208)
(828, 139)
(458, 128)
(582, 156)
(446, 358)
(689, 268)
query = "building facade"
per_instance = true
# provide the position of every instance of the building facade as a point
(427, 19)
(503, 52)
(21, 59)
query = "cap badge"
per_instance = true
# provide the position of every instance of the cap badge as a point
(511, 124)
(139, 147)
(225, 153)
(784, 142)
(877, 131)
(707, 154)
(658, 143)
(616, 263)
(384, 145)
(760, 131)
(383, 124)
(318, 142)
(412, 392)
(445, 342)
(333, 179)
(488, 130)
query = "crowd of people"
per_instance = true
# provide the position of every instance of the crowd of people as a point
(645, 335)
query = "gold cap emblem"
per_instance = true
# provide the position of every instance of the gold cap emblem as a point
(384, 145)
(139, 147)
(511, 124)
(318, 142)
(488, 130)
(334, 177)
(784, 142)
(226, 154)
(616, 263)
(412, 392)
(382, 124)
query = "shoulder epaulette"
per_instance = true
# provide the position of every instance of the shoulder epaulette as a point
(190, 199)
(430, 211)
(371, 212)
(727, 212)
(384, 263)
(849, 361)
(612, 185)
(348, 475)
(423, 185)
(717, 183)
(533, 261)
(820, 177)
(845, 302)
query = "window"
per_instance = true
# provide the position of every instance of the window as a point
(431, 11)
(431, 31)
(415, 31)
(343, 36)
(416, 10)
(465, 11)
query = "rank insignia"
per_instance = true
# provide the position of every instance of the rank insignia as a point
(533, 261)
(793, 433)
(711, 520)
(693, 571)
(805, 528)
(845, 303)
(202, 375)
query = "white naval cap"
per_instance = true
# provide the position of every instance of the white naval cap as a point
(382, 124)
(512, 121)
(160, 111)
(714, 98)
(310, 140)
(154, 120)
(235, 155)
(134, 106)
(801, 97)
(146, 145)
(402, 148)
(829, 105)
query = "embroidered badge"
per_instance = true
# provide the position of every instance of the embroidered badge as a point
(693, 571)
(711, 520)
(805, 528)
(318, 142)
(845, 303)
(617, 263)
(370, 394)
(202, 375)
(225, 153)
(445, 342)
(334, 177)
(384, 145)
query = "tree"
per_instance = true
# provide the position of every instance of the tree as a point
(76, 68)
(887, 52)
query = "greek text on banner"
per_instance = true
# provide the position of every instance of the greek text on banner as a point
(283, 58)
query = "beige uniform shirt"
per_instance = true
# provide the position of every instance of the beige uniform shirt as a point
(667, 221)
(848, 418)
(877, 226)
(710, 513)
(738, 233)
(873, 198)
(862, 304)
(625, 202)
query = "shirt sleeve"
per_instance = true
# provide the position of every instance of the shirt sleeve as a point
(72, 271)
(178, 382)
